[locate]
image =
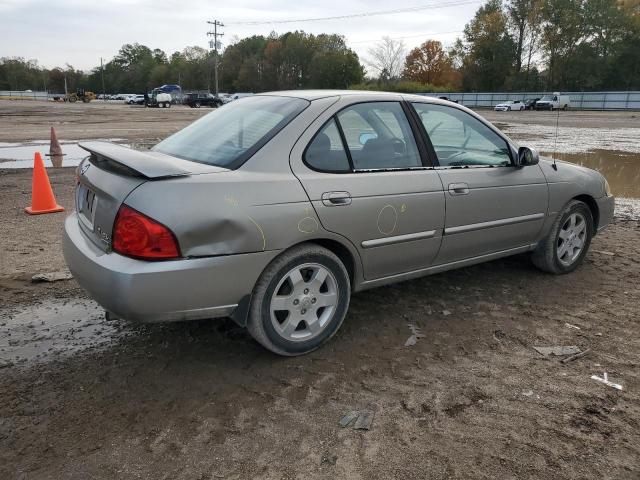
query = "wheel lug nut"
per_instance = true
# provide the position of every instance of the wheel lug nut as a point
(296, 301)
(313, 300)
(303, 311)
(306, 290)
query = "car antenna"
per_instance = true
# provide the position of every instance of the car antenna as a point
(555, 143)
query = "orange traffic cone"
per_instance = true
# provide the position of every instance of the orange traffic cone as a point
(42, 199)
(55, 150)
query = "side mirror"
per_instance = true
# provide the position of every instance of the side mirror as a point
(527, 157)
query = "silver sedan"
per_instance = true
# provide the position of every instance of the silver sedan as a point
(274, 208)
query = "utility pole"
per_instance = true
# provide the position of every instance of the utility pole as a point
(214, 44)
(104, 97)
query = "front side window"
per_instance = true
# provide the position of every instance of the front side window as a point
(379, 136)
(460, 139)
(231, 134)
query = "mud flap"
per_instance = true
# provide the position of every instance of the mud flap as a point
(241, 313)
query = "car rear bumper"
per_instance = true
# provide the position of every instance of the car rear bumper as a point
(606, 207)
(185, 289)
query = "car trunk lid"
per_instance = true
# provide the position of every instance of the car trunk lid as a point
(110, 173)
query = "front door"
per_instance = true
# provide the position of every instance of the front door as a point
(491, 205)
(367, 179)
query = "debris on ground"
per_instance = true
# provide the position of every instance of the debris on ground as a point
(605, 379)
(446, 312)
(51, 277)
(416, 333)
(576, 356)
(499, 335)
(349, 418)
(557, 351)
(575, 327)
(363, 419)
(604, 252)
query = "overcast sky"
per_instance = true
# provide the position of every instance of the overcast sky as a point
(79, 32)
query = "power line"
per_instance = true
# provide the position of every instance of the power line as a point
(432, 6)
(410, 36)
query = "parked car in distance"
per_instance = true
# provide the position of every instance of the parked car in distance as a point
(448, 99)
(275, 208)
(197, 100)
(530, 104)
(509, 105)
(235, 96)
(135, 100)
(555, 101)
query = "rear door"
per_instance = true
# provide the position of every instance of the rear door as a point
(367, 178)
(491, 205)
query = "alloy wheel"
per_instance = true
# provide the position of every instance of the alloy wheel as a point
(571, 239)
(304, 302)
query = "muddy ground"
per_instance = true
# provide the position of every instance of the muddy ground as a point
(25, 121)
(82, 397)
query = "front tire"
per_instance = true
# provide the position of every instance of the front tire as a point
(568, 241)
(300, 301)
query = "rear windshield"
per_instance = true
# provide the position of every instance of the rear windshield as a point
(231, 134)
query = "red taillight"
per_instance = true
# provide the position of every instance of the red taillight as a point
(139, 236)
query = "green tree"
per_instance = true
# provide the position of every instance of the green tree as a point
(489, 53)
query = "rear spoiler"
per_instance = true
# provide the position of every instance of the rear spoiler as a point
(149, 164)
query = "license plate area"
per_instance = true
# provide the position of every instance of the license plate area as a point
(86, 203)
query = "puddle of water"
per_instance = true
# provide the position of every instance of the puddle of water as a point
(622, 170)
(54, 328)
(628, 209)
(574, 139)
(20, 155)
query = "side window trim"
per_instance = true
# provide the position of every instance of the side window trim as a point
(344, 141)
(435, 155)
(420, 132)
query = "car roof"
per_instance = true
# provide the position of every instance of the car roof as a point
(317, 94)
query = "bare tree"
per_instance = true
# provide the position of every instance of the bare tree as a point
(386, 57)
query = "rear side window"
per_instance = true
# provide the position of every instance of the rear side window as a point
(231, 134)
(379, 136)
(326, 152)
(460, 139)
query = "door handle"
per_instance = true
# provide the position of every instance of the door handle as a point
(336, 199)
(458, 189)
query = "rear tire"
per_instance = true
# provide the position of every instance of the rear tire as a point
(568, 241)
(299, 301)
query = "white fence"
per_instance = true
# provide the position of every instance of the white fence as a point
(579, 100)
(23, 95)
